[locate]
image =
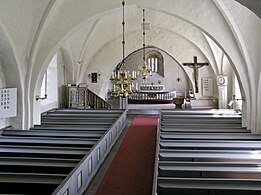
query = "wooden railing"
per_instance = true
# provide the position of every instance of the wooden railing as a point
(152, 96)
(79, 96)
(95, 101)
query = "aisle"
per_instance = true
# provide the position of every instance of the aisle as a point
(132, 169)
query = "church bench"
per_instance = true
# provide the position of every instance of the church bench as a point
(72, 110)
(217, 112)
(75, 110)
(204, 130)
(210, 155)
(207, 186)
(199, 125)
(72, 149)
(210, 144)
(36, 161)
(6, 177)
(200, 116)
(236, 119)
(200, 121)
(73, 122)
(72, 127)
(29, 183)
(35, 168)
(80, 135)
(36, 141)
(209, 170)
(81, 115)
(70, 118)
(208, 136)
(43, 151)
(91, 162)
(37, 165)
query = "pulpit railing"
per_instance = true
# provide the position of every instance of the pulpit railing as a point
(96, 102)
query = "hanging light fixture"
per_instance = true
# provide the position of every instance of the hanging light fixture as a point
(122, 80)
(144, 68)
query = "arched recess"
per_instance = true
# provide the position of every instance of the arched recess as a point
(173, 70)
(11, 78)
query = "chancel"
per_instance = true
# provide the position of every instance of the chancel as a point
(100, 97)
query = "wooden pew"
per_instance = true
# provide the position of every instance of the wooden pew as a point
(72, 110)
(206, 186)
(72, 127)
(80, 135)
(210, 144)
(204, 130)
(29, 183)
(234, 170)
(37, 161)
(200, 125)
(202, 116)
(209, 136)
(200, 112)
(73, 122)
(210, 155)
(77, 118)
(45, 156)
(49, 141)
(216, 157)
(82, 115)
(43, 151)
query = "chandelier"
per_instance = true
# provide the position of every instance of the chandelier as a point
(123, 80)
(144, 68)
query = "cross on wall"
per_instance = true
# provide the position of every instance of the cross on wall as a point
(196, 65)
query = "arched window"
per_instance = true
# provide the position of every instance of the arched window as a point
(44, 85)
(155, 62)
(49, 88)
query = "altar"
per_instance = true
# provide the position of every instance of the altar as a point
(152, 94)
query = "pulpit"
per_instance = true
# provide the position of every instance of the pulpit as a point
(77, 96)
(178, 101)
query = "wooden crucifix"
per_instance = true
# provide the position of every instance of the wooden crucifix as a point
(195, 67)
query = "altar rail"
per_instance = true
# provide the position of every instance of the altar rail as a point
(152, 97)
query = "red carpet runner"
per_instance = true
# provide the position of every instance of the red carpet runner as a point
(131, 171)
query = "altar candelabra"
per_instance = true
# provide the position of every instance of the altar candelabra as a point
(122, 80)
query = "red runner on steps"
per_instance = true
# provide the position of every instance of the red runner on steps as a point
(131, 171)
